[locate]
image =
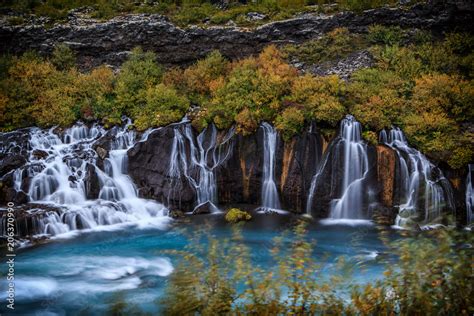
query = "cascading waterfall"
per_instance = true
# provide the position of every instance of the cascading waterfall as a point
(419, 188)
(59, 180)
(355, 168)
(197, 158)
(270, 199)
(469, 193)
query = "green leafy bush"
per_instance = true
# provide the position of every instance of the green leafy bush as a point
(162, 106)
(290, 122)
(63, 57)
(387, 35)
(234, 215)
(138, 73)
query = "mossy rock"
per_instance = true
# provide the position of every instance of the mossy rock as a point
(234, 215)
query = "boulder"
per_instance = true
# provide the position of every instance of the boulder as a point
(11, 162)
(39, 154)
(204, 208)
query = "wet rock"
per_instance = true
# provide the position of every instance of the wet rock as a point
(299, 161)
(148, 166)
(11, 162)
(103, 153)
(39, 154)
(204, 208)
(386, 162)
(27, 218)
(91, 182)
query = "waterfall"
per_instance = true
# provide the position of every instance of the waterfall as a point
(469, 193)
(59, 180)
(196, 159)
(421, 185)
(270, 198)
(355, 167)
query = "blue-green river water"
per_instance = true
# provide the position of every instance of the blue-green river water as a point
(86, 272)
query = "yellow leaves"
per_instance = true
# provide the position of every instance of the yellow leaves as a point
(290, 122)
(162, 106)
(246, 122)
(198, 78)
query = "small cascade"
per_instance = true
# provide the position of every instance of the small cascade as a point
(60, 177)
(196, 159)
(469, 194)
(270, 199)
(355, 167)
(421, 185)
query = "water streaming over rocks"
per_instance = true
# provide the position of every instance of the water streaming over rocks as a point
(61, 171)
(424, 193)
(196, 159)
(347, 164)
(355, 166)
(469, 194)
(270, 199)
(80, 178)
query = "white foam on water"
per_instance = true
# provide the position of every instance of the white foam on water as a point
(347, 222)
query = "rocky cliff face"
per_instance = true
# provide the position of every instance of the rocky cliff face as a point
(109, 42)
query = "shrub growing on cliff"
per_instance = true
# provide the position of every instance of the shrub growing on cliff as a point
(200, 77)
(319, 97)
(138, 73)
(254, 84)
(162, 106)
(63, 57)
(290, 122)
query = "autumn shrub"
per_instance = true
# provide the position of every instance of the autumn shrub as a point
(386, 35)
(431, 274)
(290, 122)
(319, 97)
(162, 106)
(29, 78)
(253, 90)
(63, 57)
(200, 76)
(137, 74)
(95, 94)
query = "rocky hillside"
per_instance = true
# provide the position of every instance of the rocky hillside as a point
(109, 42)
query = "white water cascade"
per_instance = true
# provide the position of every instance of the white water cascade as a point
(270, 199)
(59, 181)
(470, 194)
(197, 159)
(420, 188)
(355, 168)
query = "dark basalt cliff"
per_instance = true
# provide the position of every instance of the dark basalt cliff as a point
(239, 178)
(109, 42)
